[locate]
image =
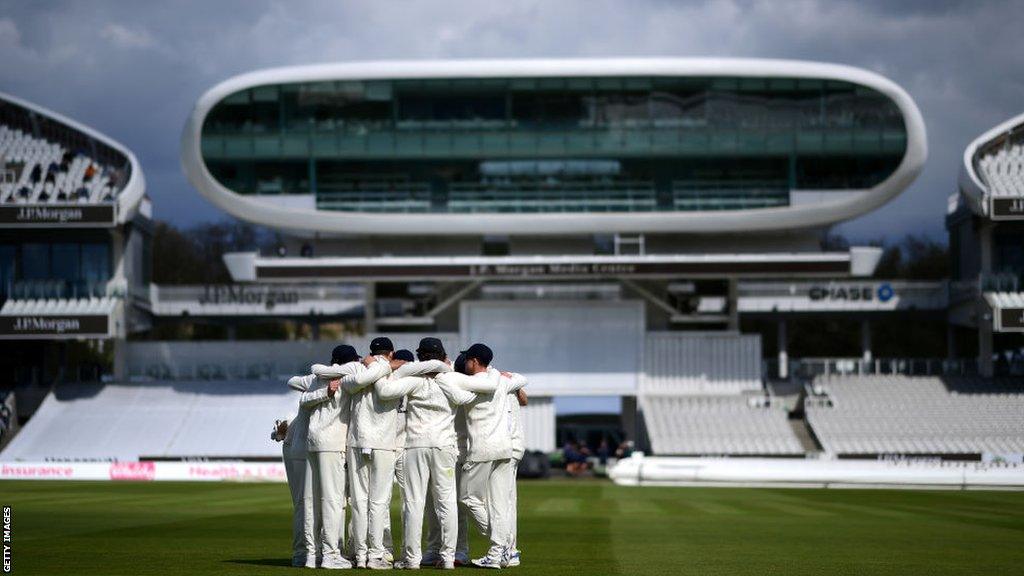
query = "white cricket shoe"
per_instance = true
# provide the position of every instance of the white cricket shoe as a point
(487, 562)
(360, 562)
(403, 565)
(335, 563)
(442, 565)
(512, 560)
(378, 564)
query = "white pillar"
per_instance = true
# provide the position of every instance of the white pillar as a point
(628, 417)
(120, 359)
(865, 340)
(370, 309)
(734, 306)
(783, 346)
(985, 367)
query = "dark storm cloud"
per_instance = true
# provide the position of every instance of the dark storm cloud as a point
(133, 69)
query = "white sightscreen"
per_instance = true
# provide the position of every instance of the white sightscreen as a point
(564, 348)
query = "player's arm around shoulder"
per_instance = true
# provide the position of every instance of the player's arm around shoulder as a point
(316, 392)
(450, 384)
(422, 368)
(393, 388)
(515, 380)
(372, 369)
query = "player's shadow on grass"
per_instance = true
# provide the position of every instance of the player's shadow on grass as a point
(261, 561)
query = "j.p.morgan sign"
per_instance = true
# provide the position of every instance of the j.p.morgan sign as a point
(1007, 209)
(40, 326)
(248, 295)
(57, 215)
(1011, 319)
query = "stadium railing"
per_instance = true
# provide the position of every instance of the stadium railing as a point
(806, 368)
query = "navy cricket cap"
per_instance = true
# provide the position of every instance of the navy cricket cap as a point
(404, 354)
(460, 363)
(381, 344)
(431, 344)
(481, 352)
(343, 354)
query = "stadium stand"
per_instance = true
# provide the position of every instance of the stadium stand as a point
(701, 363)
(96, 422)
(39, 171)
(1003, 170)
(702, 394)
(707, 425)
(865, 415)
(1005, 299)
(53, 306)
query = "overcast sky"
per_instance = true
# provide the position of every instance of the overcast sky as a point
(134, 69)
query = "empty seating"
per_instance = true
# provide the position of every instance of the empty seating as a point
(680, 363)
(179, 419)
(38, 171)
(917, 415)
(711, 425)
(1003, 170)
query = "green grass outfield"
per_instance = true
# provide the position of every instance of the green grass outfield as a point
(566, 527)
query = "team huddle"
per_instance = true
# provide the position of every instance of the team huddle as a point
(448, 432)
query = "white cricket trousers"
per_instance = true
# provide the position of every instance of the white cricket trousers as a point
(300, 483)
(328, 470)
(485, 491)
(371, 477)
(434, 531)
(389, 542)
(513, 515)
(429, 480)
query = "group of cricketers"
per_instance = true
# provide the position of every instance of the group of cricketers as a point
(448, 432)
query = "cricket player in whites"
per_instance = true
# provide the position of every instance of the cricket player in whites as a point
(292, 432)
(430, 451)
(405, 356)
(371, 456)
(329, 414)
(518, 450)
(485, 489)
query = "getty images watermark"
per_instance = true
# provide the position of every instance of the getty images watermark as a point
(7, 539)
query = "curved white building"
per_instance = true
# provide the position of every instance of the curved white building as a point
(554, 147)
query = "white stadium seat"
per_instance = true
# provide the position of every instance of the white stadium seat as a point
(21, 154)
(725, 424)
(916, 415)
(1003, 170)
(157, 419)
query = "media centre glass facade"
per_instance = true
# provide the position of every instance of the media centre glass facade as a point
(521, 145)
